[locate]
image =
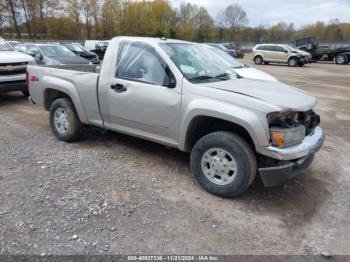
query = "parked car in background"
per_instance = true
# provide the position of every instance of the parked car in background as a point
(238, 68)
(233, 46)
(174, 93)
(307, 55)
(340, 55)
(274, 53)
(96, 46)
(14, 43)
(82, 52)
(231, 52)
(52, 54)
(13, 66)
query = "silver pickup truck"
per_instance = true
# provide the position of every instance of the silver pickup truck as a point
(182, 95)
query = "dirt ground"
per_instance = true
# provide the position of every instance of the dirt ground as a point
(113, 194)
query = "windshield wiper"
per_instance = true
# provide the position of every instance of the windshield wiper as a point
(223, 76)
(200, 78)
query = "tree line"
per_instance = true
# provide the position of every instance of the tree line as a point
(103, 19)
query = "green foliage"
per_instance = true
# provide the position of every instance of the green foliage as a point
(104, 19)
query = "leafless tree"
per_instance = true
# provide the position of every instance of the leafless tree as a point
(233, 16)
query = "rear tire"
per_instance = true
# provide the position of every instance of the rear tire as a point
(341, 59)
(293, 62)
(64, 121)
(223, 164)
(258, 60)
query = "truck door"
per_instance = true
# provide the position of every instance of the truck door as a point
(144, 97)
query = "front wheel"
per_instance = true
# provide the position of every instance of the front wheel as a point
(224, 164)
(293, 62)
(64, 120)
(341, 59)
(26, 93)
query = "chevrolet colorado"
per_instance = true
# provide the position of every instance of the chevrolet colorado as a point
(174, 93)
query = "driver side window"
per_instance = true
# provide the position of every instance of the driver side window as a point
(139, 62)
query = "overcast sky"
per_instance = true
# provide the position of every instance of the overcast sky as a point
(268, 12)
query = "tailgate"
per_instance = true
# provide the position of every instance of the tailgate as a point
(35, 88)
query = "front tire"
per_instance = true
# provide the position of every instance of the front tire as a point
(224, 164)
(293, 62)
(341, 59)
(26, 93)
(64, 120)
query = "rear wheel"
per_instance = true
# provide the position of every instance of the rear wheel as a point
(64, 120)
(341, 59)
(293, 62)
(224, 164)
(258, 60)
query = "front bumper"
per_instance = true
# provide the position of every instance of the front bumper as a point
(311, 144)
(272, 176)
(6, 87)
(298, 158)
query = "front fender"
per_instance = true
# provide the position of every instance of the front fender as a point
(251, 121)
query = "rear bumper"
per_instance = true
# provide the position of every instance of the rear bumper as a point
(6, 87)
(273, 176)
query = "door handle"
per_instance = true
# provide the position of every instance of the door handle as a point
(119, 88)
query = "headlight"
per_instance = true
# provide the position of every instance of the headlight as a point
(284, 137)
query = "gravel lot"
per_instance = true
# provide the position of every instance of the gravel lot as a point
(113, 194)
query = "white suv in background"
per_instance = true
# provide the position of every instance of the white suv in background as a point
(13, 66)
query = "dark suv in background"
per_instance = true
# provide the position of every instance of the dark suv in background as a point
(79, 51)
(340, 55)
(233, 46)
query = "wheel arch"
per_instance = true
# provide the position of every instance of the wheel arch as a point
(52, 94)
(203, 125)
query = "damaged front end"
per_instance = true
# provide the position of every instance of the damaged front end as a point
(294, 139)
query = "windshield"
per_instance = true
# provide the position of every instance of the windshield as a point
(74, 48)
(291, 48)
(56, 50)
(200, 63)
(4, 46)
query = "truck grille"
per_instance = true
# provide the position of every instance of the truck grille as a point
(13, 69)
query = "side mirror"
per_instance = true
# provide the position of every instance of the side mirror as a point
(170, 80)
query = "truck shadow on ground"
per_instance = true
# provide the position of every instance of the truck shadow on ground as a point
(8, 99)
(295, 202)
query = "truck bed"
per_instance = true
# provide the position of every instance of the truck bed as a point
(78, 81)
(79, 68)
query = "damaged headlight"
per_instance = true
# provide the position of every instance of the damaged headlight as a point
(284, 137)
(286, 129)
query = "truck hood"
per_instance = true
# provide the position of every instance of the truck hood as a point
(14, 57)
(252, 73)
(275, 93)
